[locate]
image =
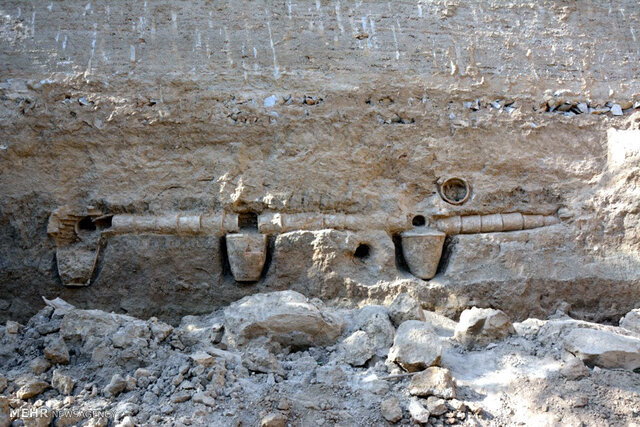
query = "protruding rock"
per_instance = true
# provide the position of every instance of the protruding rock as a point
(482, 326)
(39, 365)
(436, 405)
(416, 346)
(631, 321)
(574, 369)
(203, 359)
(31, 388)
(433, 381)
(285, 317)
(418, 412)
(63, 383)
(616, 110)
(390, 410)
(357, 348)
(372, 337)
(258, 359)
(405, 307)
(60, 306)
(603, 348)
(12, 327)
(205, 399)
(56, 351)
(116, 386)
(276, 419)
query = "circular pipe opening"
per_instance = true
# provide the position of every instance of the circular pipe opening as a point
(418, 221)
(455, 190)
(362, 251)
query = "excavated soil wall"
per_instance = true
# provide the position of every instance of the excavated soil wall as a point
(331, 128)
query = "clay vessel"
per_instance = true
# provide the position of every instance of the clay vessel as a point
(76, 264)
(247, 253)
(422, 248)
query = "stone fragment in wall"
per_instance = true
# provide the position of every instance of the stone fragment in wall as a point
(416, 346)
(286, 317)
(616, 110)
(405, 307)
(481, 326)
(433, 381)
(603, 348)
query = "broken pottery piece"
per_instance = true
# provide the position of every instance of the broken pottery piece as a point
(76, 264)
(247, 254)
(422, 249)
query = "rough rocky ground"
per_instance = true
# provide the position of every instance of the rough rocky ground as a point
(279, 359)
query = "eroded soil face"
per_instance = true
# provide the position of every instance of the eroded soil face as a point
(332, 129)
(165, 165)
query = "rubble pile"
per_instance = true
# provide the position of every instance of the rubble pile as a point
(279, 359)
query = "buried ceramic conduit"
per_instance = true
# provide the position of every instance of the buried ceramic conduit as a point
(282, 223)
(211, 224)
(471, 224)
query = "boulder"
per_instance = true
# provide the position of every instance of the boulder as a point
(631, 321)
(390, 410)
(39, 365)
(56, 351)
(357, 348)
(372, 336)
(63, 383)
(433, 381)
(85, 325)
(416, 346)
(603, 348)
(205, 399)
(276, 419)
(481, 326)
(405, 307)
(32, 387)
(285, 317)
(259, 359)
(116, 386)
